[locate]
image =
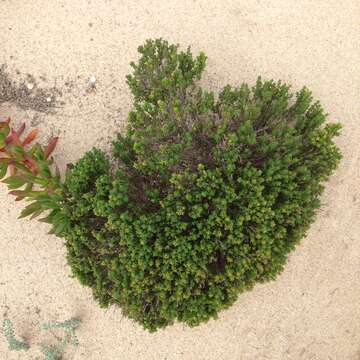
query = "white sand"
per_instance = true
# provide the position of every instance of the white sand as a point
(313, 310)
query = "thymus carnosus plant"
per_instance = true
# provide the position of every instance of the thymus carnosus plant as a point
(205, 197)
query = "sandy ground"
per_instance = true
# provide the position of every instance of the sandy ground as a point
(313, 310)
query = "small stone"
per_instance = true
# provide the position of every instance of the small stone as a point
(30, 86)
(48, 99)
(93, 79)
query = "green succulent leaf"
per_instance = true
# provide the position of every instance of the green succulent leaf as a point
(30, 209)
(3, 169)
(15, 182)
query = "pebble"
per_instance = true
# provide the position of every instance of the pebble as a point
(30, 86)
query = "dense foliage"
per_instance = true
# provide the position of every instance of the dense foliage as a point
(205, 195)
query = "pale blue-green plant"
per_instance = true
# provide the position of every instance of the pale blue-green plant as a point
(13, 343)
(50, 352)
(55, 352)
(69, 326)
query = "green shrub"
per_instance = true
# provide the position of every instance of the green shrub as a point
(208, 195)
(204, 197)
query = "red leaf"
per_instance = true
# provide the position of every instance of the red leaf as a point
(12, 169)
(13, 138)
(30, 137)
(50, 147)
(31, 164)
(20, 194)
(21, 129)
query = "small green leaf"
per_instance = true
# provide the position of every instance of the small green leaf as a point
(37, 152)
(44, 169)
(50, 218)
(16, 149)
(14, 182)
(36, 214)
(5, 130)
(2, 140)
(22, 168)
(3, 169)
(57, 229)
(30, 209)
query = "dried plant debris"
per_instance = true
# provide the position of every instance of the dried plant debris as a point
(26, 94)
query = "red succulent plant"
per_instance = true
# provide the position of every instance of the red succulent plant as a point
(29, 167)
